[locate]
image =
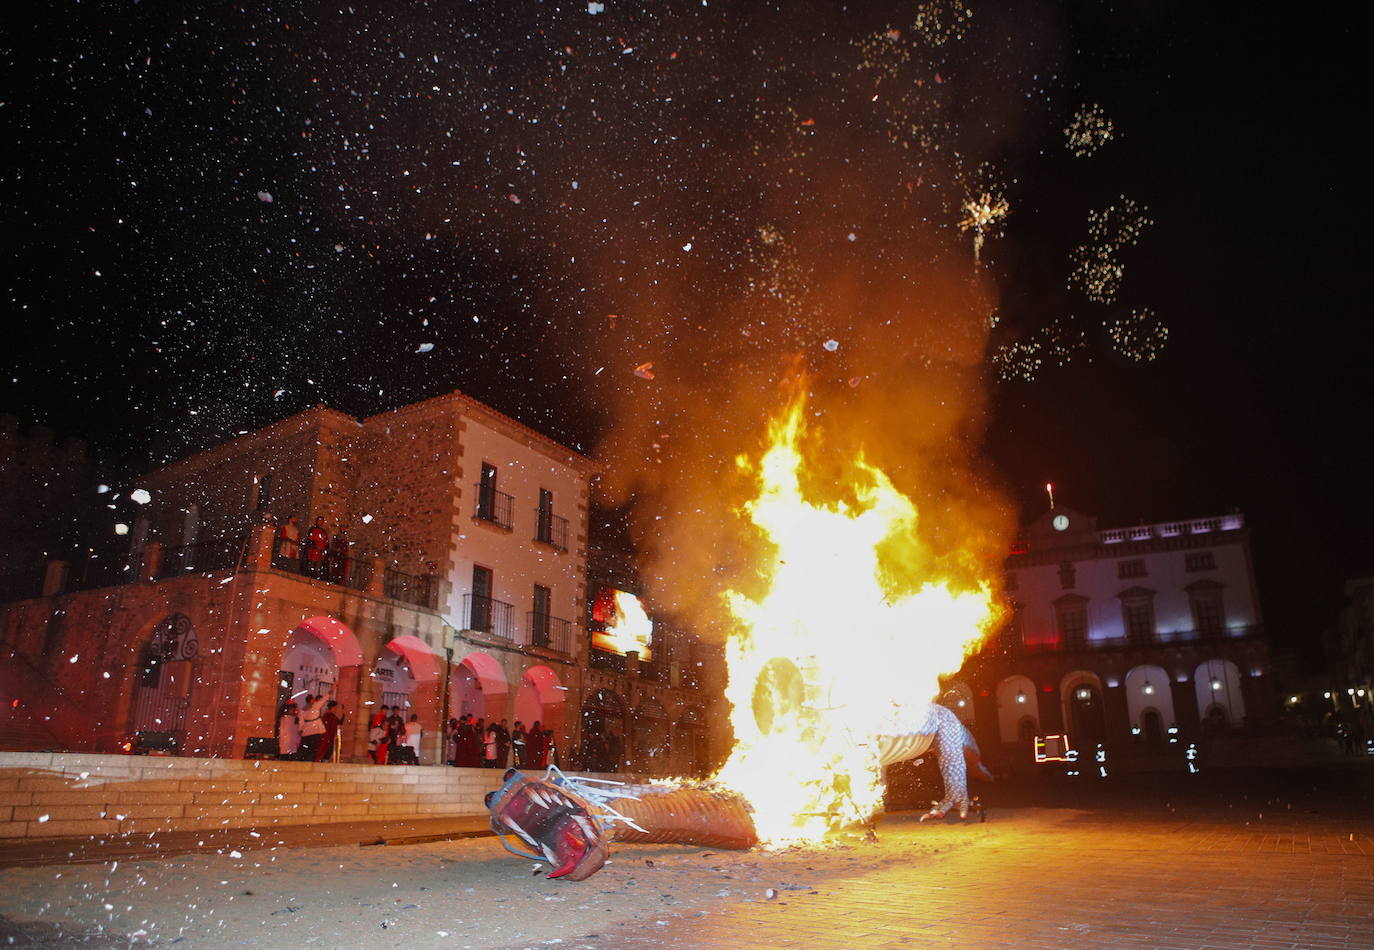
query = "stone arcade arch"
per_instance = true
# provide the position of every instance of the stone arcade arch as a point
(1220, 700)
(163, 684)
(1149, 701)
(1080, 693)
(1017, 701)
(540, 698)
(478, 686)
(395, 681)
(312, 657)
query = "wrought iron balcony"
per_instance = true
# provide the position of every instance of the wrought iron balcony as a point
(493, 506)
(551, 633)
(204, 557)
(420, 590)
(550, 529)
(489, 616)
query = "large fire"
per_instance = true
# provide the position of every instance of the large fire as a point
(846, 646)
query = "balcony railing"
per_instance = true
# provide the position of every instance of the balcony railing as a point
(203, 557)
(550, 529)
(421, 590)
(93, 572)
(494, 506)
(551, 633)
(489, 616)
(353, 572)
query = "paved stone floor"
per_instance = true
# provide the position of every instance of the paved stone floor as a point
(1248, 860)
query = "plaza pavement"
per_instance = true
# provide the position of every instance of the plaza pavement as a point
(1248, 859)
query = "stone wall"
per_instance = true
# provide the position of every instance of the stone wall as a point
(46, 794)
(408, 485)
(220, 481)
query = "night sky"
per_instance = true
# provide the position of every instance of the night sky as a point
(219, 216)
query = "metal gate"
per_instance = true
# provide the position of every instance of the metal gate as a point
(164, 685)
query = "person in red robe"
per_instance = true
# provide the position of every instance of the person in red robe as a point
(316, 545)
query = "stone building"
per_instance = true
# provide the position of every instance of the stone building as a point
(455, 583)
(1136, 638)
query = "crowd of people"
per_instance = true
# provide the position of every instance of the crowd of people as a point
(317, 554)
(308, 731)
(391, 738)
(472, 742)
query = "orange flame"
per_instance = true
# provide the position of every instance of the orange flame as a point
(846, 645)
(630, 631)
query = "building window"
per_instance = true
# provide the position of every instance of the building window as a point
(1067, 575)
(486, 493)
(549, 528)
(1201, 561)
(481, 599)
(1071, 617)
(1132, 568)
(1138, 614)
(539, 620)
(1209, 612)
(493, 506)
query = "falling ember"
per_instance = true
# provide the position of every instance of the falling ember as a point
(846, 646)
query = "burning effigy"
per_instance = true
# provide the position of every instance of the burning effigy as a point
(815, 719)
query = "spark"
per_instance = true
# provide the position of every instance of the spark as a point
(1088, 131)
(1140, 336)
(1097, 270)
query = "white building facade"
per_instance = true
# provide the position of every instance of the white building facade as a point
(1137, 639)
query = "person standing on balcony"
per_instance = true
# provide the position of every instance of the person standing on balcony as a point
(289, 540)
(338, 559)
(316, 544)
